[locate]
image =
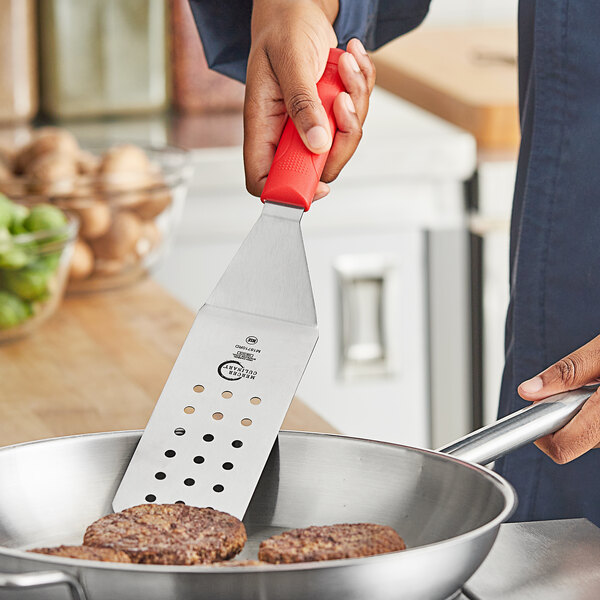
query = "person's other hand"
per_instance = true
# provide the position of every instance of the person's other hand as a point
(582, 433)
(290, 45)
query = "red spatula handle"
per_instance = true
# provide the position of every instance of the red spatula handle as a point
(296, 171)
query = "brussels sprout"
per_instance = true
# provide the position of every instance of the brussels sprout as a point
(5, 240)
(49, 261)
(11, 256)
(12, 310)
(30, 283)
(43, 217)
(20, 213)
(14, 257)
(12, 215)
(6, 211)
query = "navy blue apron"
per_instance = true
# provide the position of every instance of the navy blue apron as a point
(555, 232)
(555, 237)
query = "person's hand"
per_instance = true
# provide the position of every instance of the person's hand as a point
(582, 433)
(290, 45)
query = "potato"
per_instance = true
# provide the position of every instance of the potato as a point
(5, 172)
(109, 268)
(82, 262)
(125, 167)
(155, 202)
(112, 267)
(149, 239)
(15, 187)
(120, 239)
(47, 140)
(7, 157)
(87, 163)
(125, 158)
(52, 174)
(94, 217)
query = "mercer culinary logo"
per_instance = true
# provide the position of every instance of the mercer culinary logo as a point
(232, 370)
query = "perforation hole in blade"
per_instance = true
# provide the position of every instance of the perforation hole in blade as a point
(201, 414)
(225, 436)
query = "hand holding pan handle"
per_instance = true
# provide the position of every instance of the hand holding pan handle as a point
(519, 428)
(296, 171)
(38, 579)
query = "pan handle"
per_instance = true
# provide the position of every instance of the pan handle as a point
(519, 428)
(37, 579)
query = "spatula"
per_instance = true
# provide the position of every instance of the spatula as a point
(218, 416)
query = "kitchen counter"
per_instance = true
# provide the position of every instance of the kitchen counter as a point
(543, 560)
(99, 364)
(466, 75)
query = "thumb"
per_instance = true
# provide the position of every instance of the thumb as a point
(571, 372)
(298, 83)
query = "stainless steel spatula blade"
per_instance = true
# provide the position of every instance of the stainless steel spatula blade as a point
(217, 418)
(219, 413)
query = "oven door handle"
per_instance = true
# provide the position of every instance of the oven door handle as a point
(38, 579)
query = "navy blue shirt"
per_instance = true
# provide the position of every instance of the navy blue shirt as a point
(555, 229)
(225, 27)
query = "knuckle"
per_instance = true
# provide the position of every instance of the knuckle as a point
(558, 451)
(300, 101)
(561, 455)
(331, 171)
(252, 187)
(568, 368)
(331, 175)
(371, 69)
(371, 72)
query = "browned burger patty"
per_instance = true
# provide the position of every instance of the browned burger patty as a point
(330, 542)
(85, 553)
(169, 534)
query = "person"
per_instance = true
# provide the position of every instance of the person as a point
(280, 46)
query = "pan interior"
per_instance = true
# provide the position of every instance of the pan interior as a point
(52, 490)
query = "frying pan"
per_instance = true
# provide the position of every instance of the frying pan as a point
(447, 508)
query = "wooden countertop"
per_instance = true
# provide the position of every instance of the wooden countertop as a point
(99, 364)
(466, 75)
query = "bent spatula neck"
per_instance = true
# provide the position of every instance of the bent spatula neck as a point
(269, 274)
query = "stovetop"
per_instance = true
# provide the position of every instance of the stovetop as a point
(544, 560)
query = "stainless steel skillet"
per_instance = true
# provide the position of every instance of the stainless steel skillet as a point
(447, 509)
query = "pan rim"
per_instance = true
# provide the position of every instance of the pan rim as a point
(507, 490)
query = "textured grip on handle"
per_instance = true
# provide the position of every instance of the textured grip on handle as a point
(296, 171)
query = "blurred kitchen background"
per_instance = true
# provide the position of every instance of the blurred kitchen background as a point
(408, 255)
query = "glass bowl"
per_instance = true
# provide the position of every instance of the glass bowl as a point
(128, 199)
(33, 272)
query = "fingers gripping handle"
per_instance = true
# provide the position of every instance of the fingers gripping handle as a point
(296, 171)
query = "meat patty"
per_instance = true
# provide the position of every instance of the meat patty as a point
(169, 534)
(347, 540)
(85, 553)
